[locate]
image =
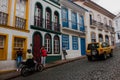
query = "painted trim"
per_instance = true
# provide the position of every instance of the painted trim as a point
(59, 42)
(25, 46)
(46, 30)
(6, 46)
(50, 42)
(55, 2)
(52, 4)
(73, 2)
(14, 12)
(27, 14)
(13, 28)
(9, 11)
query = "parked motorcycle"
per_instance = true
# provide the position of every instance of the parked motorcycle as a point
(29, 67)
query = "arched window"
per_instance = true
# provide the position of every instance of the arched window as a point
(48, 18)
(100, 38)
(38, 15)
(56, 21)
(93, 37)
(112, 41)
(107, 39)
(56, 45)
(91, 17)
(48, 43)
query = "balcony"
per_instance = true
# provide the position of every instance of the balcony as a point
(3, 18)
(46, 25)
(93, 24)
(20, 23)
(105, 27)
(111, 29)
(74, 28)
(100, 26)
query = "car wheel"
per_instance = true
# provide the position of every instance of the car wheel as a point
(104, 56)
(111, 53)
(89, 58)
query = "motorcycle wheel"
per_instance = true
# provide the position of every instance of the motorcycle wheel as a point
(40, 68)
(24, 71)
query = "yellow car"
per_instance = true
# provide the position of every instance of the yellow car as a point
(99, 50)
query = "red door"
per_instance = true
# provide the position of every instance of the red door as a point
(37, 43)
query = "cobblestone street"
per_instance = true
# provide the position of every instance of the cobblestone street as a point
(81, 70)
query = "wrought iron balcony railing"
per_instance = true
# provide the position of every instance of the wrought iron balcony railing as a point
(101, 26)
(47, 24)
(3, 18)
(20, 23)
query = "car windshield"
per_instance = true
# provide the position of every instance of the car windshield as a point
(93, 46)
(104, 45)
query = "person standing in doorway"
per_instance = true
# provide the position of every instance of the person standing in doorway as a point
(43, 55)
(19, 54)
(64, 52)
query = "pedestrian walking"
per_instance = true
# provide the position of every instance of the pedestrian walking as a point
(43, 55)
(19, 54)
(64, 52)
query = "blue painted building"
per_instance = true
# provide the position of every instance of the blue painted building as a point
(73, 28)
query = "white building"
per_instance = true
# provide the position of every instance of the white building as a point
(117, 29)
(45, 30)
(100, 23)
(74, 25)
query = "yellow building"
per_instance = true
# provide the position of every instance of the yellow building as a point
(14, 31)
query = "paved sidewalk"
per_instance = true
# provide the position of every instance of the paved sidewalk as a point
(13, 74)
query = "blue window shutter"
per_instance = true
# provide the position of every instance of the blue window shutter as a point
(82, 28)
(65, 41)
(64, 17)
(75, 43)
(74, 21)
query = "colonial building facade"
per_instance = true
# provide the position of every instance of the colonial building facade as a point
(14, 31)
(100, 27)
(73, 28)
(30, 24)
(45, 28)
